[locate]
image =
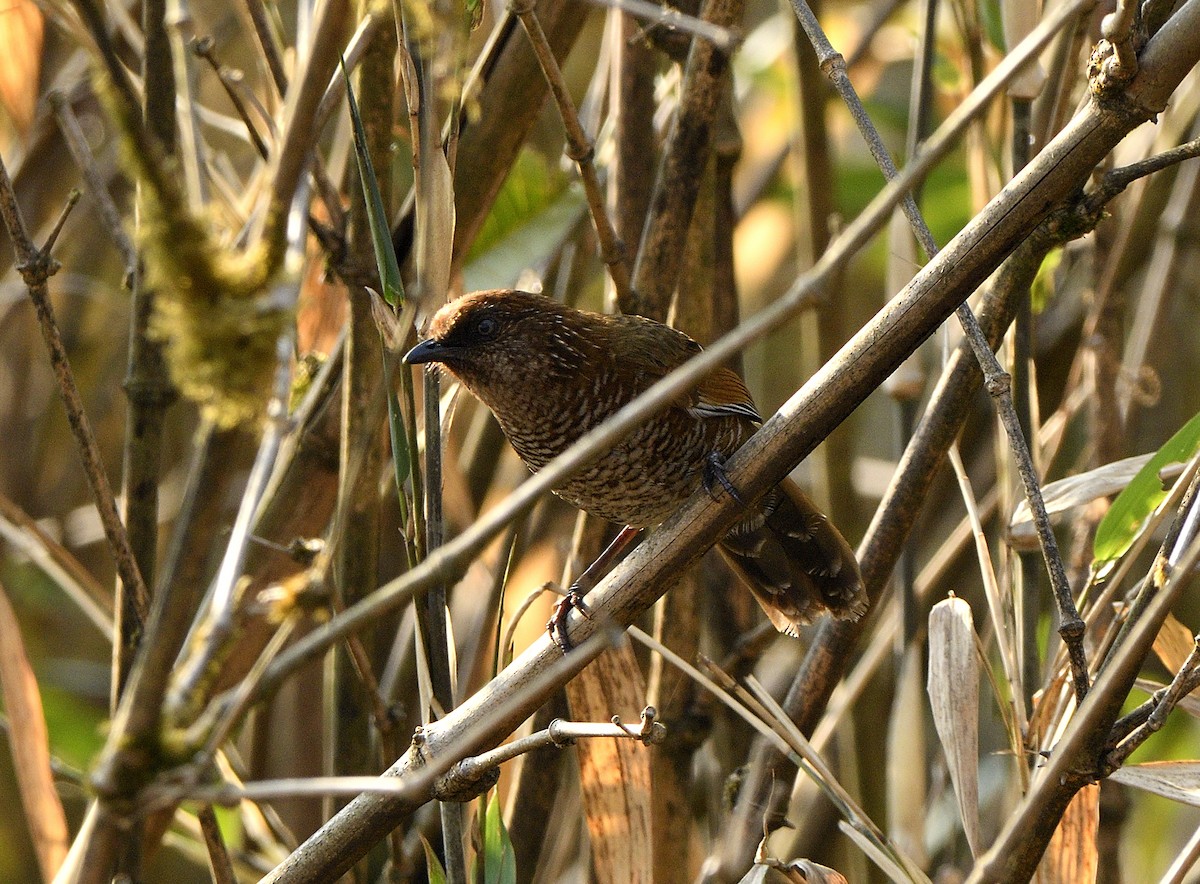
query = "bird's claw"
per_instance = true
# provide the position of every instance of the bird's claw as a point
(714, 475)
(557, 624)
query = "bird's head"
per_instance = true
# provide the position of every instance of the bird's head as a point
(503, 341)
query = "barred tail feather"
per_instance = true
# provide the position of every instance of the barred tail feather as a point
(794, 561)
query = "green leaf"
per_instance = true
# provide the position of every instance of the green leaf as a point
(400, 462)
(1043, 284)
(499, 859)
(433, 866)
(531, 186)
(1128, 514)
(381, 233)
(474, 13)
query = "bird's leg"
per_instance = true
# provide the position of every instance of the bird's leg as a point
(714, 475)
(557, 624)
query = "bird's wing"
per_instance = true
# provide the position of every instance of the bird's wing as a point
(655, 350)
(723, 394)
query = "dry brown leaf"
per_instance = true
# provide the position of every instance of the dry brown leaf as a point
(434, 229)
(615, 774)
(1071, 857)
(30, 746)
(954, 697)
(1189, 704)
(1173, 644)
(21, 28)
(906, 745)
(1072, 492)
(1177, 780)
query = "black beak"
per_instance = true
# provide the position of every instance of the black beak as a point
(428, 351)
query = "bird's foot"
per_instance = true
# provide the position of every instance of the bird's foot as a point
(557, 624)
(714, 475)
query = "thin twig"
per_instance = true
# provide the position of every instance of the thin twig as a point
(581, 150)
(23, 533)
(1186, 680)
(219, 730)
(561, 734)
(205, 47)
(36, 267)
(218, 855)
(725, 39)
(296, 141)
(1119, 30)
(1118, 179)
(181, 28)
(266, 42)
(77, 143)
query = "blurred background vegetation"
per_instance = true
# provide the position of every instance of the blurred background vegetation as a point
(1111, 371)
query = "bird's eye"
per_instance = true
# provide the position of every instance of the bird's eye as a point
(487, 328)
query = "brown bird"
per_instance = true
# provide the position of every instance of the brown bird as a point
(550, 373)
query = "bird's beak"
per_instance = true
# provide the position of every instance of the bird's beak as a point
(430, 350)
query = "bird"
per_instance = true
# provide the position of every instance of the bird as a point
(550, 372)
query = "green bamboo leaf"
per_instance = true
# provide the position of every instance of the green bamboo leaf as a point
(381, 233)
(499, 859)
(474, 13)
(1042, 290)
(1133, 506)
(535, 210)
(433, 866)
(400, 461)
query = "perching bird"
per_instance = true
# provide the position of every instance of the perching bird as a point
(550, 373)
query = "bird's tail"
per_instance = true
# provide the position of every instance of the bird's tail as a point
(794, 561)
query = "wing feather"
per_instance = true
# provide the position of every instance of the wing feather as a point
(723, 394)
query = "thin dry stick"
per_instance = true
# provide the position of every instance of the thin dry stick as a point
(218, 731)
(23, 533)
(997, 381)
(36, 267)
(581, 150)
(461, 775)
(725, 39)
(72, 132)
(218, 856)
(1186, 680)
(266, 42)
(295, 144)
(181, 28)
(561, 734)
(1183, 861)
(1118, 29)
(206, 48)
